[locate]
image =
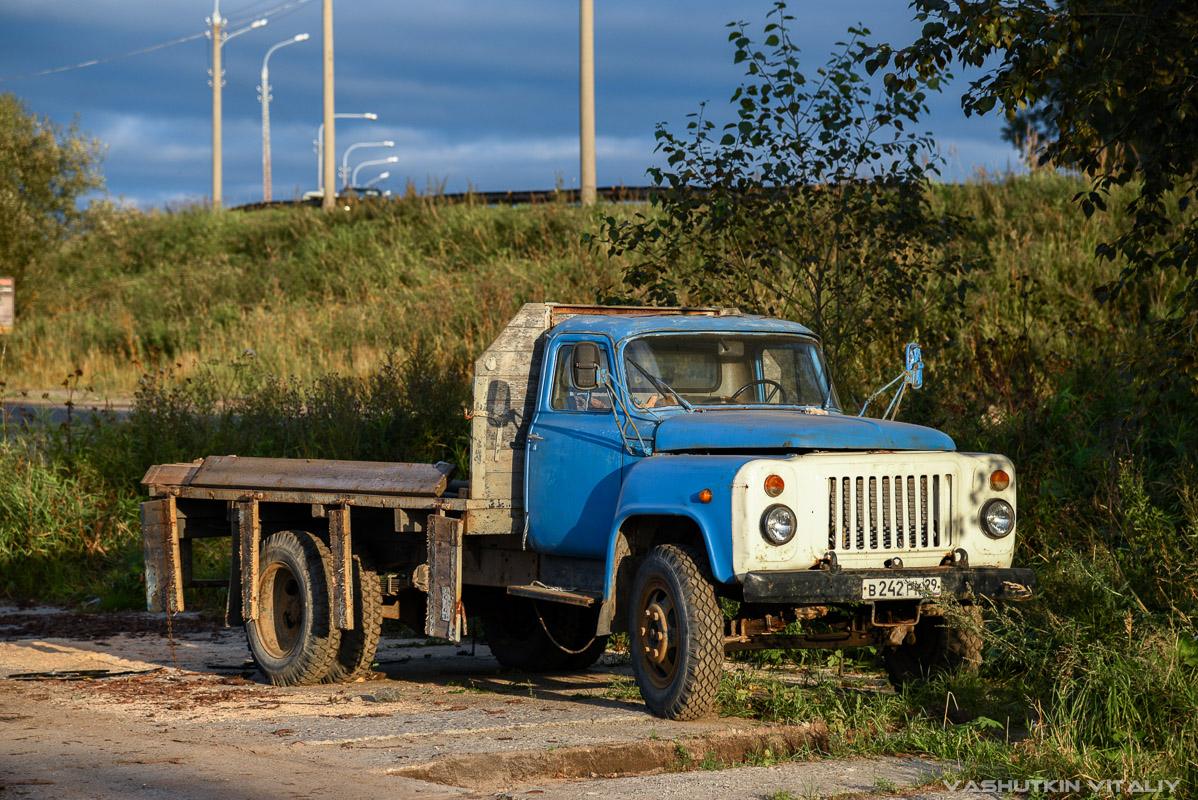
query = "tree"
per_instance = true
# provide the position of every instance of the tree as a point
(44, 169)
(812, 205)
(1115, 85)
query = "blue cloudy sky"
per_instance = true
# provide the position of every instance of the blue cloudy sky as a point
(473, 92)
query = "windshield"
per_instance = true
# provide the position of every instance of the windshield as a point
(727, 369)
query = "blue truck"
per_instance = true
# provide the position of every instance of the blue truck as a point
(687, 476)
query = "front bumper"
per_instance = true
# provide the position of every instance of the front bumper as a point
(817, 586)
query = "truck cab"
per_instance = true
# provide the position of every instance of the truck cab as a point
(688, 476)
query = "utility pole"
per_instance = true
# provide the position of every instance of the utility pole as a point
(586, 95)
(329, 175)
(217, 201)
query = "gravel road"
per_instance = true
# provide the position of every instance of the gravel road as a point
(119, 705)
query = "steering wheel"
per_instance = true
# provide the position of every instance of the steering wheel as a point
(777, 389)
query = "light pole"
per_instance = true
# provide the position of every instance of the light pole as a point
(350, 149)
(264, 96)
(586, 98)
(219, 37)
(382, 176)
(320, 143)
(391, 160)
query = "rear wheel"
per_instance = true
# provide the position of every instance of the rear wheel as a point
(676, 633)
(293, 641)
(360, 644)
(940, 646)
(517, 637)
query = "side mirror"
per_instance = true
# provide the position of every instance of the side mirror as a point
(914, 360)
(585, 367)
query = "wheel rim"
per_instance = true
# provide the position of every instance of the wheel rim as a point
(281, 610)
(658, 634)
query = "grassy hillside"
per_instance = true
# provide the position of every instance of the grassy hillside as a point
(362, 325)
(309, 293)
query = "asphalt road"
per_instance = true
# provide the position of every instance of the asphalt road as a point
(117, 706)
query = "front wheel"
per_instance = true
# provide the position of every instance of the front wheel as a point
(293, 641)
(676, 633)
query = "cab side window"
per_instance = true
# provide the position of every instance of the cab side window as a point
(568, 397)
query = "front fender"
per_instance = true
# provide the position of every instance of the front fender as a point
(669, 485)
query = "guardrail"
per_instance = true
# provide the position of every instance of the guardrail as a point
(614, 194)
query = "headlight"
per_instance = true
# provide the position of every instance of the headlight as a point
(998, 518)
(778, 525)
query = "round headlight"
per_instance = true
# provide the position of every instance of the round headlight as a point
(778, 525)
(998, 518)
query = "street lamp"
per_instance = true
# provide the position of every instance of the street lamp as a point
(218, 39)
(264, 96)
(350, 149)
(382, 176)
(320, 144)
(391, 160)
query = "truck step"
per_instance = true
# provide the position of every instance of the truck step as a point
(553, 594)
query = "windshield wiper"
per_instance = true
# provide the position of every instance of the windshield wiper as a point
(827, 395)
(661, 386)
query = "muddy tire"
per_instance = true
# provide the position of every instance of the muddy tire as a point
(939, 647)
(676, 633)
(293, 641)
(360, 644)
(517, 639)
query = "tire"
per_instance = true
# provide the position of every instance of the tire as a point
(359, 645)
(578, 662)
(939, 647)
(517, 639)
(574, 627)
(293, 641)
(676, 633)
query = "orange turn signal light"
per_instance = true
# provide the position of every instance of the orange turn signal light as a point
(705, 496)
(999, 480)
(774, 485)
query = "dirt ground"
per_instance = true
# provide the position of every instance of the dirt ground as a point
(133, 705)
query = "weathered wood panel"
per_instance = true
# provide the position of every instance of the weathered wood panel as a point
(311, 475)
(496, 521)
(506, 380)
(445, 616)
(249, 535)
(343, 567)
(160, 539)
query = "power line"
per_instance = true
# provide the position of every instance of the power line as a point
(271, 12)
(95, 61)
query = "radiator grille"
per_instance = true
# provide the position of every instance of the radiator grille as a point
(889, 512)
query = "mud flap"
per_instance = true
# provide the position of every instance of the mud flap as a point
(160, 537)
(446, 619)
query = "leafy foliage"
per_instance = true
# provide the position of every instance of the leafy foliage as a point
(44, 169)
(811, 206)
(1114, 84)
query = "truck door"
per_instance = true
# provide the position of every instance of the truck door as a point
(573, 461)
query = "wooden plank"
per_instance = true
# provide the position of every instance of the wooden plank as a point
(311, 475)
(249, 532)
(445, 616)
(343, 567)
(160, 540)
(492, 521)
(553, 595)
(170, 474)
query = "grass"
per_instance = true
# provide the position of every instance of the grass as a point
(351, 336)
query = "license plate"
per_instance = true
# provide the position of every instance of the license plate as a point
(899, 588)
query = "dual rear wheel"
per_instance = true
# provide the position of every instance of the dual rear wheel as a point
(294, 641)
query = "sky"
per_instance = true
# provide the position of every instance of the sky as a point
(473, 93)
